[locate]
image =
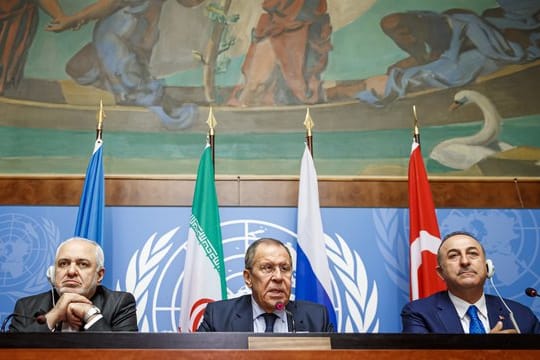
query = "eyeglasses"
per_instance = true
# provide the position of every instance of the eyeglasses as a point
(268, 269)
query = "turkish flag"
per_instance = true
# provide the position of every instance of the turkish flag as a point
(424, 235)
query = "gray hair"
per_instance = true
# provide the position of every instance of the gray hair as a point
(457, 233)
(100, 257)
(252, 249)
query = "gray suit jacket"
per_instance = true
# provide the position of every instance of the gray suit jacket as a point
(236, 315)
(117, 307)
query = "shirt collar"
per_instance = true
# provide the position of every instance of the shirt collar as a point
(258, 311)
(462, 306)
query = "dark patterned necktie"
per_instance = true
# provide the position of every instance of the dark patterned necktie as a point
(269, 320)
(476, 326)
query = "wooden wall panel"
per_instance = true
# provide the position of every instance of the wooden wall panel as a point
(258, 191)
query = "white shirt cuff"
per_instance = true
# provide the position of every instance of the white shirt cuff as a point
(92, 321)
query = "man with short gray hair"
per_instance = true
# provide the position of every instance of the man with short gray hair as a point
(78, 301)
(268, 273)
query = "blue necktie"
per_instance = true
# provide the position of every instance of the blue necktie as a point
(269, 320)
(476, 326)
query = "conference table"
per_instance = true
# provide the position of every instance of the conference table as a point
(164, 346)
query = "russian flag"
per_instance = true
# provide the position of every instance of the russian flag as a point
(313, 282)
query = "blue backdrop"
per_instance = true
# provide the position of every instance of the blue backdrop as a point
(368, 249)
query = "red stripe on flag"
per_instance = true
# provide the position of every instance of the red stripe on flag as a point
(424, 235)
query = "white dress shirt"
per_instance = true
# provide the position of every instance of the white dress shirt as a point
(259, 325)
(462, 306)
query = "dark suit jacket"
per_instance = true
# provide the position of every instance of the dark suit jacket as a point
(117, 307)
(236, 315)
(437, 314)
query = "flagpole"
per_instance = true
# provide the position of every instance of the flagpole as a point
(89, 223)
(313, 280)
(424, 233)
(308, 123)
(100, 117)
(204, 268)
(211, 134)
(416, 132)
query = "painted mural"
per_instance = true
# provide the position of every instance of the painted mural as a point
(358, 65)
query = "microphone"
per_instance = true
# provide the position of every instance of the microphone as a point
(290, 319)
(39, 317)
(512, 318)
(531, 292)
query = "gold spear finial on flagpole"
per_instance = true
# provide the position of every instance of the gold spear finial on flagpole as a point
(100, 117)
(211, 122)
(309, 124)
(211, 132)
(416, 132)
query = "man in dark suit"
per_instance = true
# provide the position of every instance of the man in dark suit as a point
(268, 272)
(462, 265)
(78, 302)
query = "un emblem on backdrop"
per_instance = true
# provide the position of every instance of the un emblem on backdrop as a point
(394, 248)
(155, 276)
(511, 239)
(27, 247)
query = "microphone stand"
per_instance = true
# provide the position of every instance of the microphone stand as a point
(290, 321)
(38, 316)
(291, 326)
(5, 322)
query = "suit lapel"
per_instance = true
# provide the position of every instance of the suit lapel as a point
(97, 299)
(243, 316)
(448, 316)
(495, 310)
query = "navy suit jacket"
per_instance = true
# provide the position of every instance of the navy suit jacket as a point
(236, 315)
(437, 314)
(117, 307)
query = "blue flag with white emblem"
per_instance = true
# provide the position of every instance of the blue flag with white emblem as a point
(92, 205)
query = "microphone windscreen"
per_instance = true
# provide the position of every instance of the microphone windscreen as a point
(40, 317)
(531, 292)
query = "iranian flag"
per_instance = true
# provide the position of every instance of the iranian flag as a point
(425, 237)
(204, 270)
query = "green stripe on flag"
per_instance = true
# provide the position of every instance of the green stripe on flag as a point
(205, 221)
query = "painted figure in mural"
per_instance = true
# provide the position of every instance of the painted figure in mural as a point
(453, 48)
(18, 25)
(268, 273)
(118, 57)
(78, 301)
(288, 52)
(464, 307)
